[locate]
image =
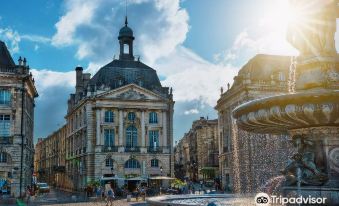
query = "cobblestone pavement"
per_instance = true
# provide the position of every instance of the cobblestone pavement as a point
(59, 198)
(115, 203)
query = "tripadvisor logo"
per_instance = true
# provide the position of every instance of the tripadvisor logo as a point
(263, 199)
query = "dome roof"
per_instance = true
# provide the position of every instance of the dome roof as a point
(119, 73)
(125, 32)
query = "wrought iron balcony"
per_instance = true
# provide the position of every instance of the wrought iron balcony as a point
(158, 149)
(132, 149)
(110, 149)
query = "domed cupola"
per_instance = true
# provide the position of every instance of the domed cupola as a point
(126, 42)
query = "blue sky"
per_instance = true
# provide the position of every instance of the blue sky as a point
(196, 46)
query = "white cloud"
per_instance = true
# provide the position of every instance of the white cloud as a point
(47, 79)
(12, 38)
(193, 78)
(35, 38)
(78, 13)
(191, 111)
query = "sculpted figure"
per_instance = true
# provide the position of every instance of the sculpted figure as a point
(305, 161)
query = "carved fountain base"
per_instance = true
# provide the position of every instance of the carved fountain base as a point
(322, 145)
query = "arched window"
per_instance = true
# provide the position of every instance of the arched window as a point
(3, 157)
(132, 163)
(154, 163)
(131, 137)
(109, 116)
(131, 116)
(109, 162)
(153, 118)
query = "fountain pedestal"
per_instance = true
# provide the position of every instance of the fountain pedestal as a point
(310, 114)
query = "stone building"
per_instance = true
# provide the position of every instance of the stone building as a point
(247, 161)
(196, 154)
(50, 159)
(119, 122)
(17, 93)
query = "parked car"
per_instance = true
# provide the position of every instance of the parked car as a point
(43, 187)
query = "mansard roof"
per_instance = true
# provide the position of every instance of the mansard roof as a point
(5, 57)
(119, 73)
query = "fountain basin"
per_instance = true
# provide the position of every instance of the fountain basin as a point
(279, 114)
(200, 200)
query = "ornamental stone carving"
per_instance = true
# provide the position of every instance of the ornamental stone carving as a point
(334, 159)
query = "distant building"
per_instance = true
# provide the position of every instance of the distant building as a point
(17, 93)
(196, 154)
(247, 161)
(50, 159)
(119, 122)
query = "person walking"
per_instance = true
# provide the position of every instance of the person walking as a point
(110, 194)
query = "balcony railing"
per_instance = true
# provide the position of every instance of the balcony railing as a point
(111, 149)
(158, 149)
(132, 149)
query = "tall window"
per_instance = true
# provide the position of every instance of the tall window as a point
(153, 138)
(154, 163)
(5, 125)
(131, 116)
(109, 137)
(109, 116)
(153, 118)
(5, 97)
(131, 136)
(132, 163)
(3, 157)
(109, 162)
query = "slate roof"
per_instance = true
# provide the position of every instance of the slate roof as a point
(5, 57)
(119, 73)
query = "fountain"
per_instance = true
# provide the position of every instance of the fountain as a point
(310, 113)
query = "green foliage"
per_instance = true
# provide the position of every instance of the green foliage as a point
(178, 183)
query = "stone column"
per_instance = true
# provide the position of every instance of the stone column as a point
(143, 139)
(121, 125)
(98, 135)
(164, 129)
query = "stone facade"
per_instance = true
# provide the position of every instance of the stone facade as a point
(196, 154)
(119, 122)
(246, 160)
(50, 159)
(17, 93)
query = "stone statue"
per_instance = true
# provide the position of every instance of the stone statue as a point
(313, 33)
(304, 160)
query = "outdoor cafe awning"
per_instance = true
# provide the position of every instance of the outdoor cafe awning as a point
(111, 178)
(136, 179)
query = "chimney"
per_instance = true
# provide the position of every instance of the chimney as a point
(79, 86)
(20, 61)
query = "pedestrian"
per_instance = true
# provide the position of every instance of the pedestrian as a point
(28, 194)
(110, 194)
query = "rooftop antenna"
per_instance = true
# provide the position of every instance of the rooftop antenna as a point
(126, 22)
